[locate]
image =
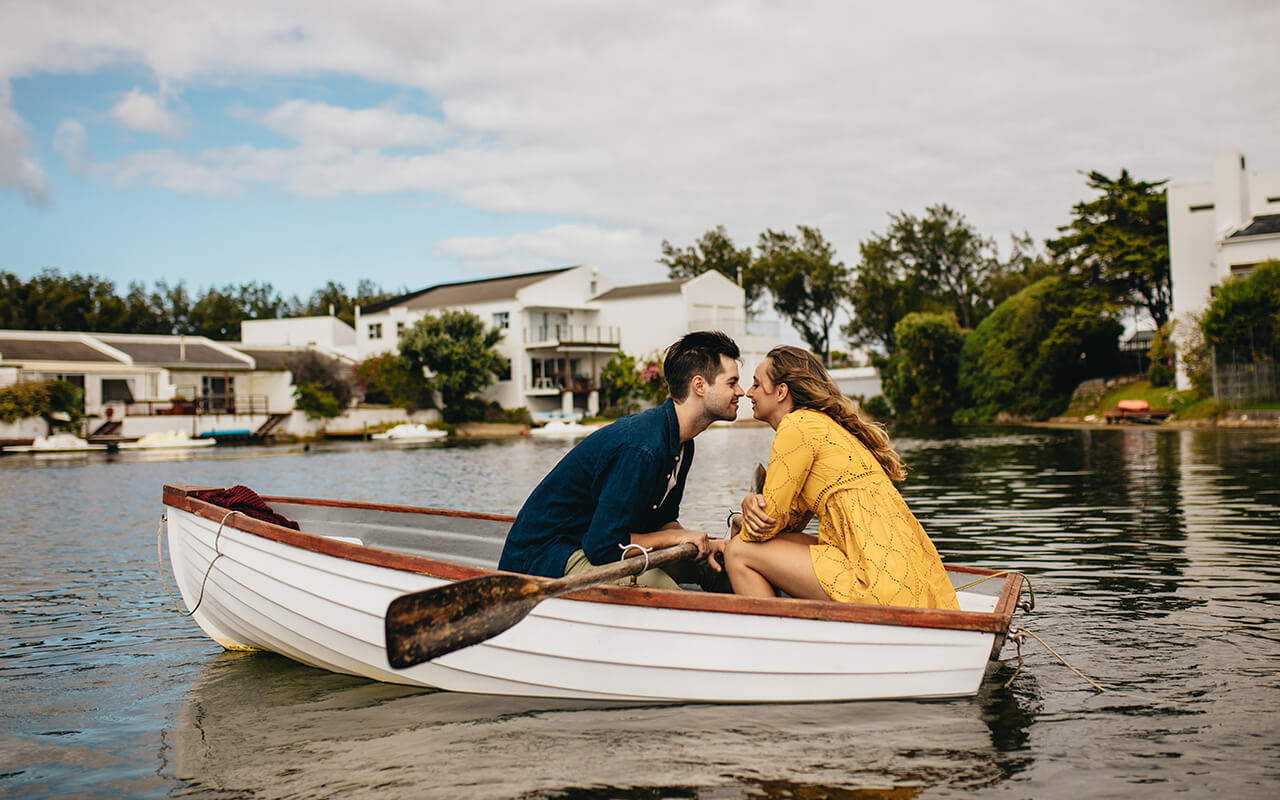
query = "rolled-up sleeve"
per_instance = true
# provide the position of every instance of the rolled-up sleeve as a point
(625, 494)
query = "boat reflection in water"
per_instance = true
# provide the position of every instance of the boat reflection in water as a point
(261, 725)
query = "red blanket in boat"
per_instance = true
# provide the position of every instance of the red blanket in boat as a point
(247, 502)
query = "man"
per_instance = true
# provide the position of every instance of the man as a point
(622, 485)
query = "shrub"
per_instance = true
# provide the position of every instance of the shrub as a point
(921, 376)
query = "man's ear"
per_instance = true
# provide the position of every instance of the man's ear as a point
(698, 385)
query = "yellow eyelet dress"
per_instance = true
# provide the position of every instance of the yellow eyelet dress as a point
(870, 547)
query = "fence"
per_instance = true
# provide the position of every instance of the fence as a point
(1242, 384)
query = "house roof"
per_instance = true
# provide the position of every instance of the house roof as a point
(269, 358)
(18, 349)
(464, 292)
(1261, 225)
(643, 290)
(173, 351)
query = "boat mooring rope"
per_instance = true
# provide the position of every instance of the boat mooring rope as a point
(160, 564)
(1019, 635)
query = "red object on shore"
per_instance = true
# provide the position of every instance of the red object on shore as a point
(1133, 405)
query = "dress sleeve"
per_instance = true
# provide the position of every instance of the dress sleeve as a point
(790, 461)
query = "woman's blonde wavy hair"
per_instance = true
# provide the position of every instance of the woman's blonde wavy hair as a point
(811, 387)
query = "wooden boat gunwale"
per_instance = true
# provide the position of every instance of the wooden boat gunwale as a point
(997, 621)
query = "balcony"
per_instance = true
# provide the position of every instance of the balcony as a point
(577, 338)
(551, 385)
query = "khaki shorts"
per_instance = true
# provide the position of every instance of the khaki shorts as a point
(669, 577)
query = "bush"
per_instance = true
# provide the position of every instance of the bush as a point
(24, 400)
(390, 378)
(315, 401)
(322, 374)
(878, 408)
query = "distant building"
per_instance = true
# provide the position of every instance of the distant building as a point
(561, 326)
(1220, 228)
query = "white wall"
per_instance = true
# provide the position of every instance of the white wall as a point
(327, 332)
(1201, 253)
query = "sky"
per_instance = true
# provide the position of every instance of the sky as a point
(413, 143)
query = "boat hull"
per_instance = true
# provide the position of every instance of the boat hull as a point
(321, 601)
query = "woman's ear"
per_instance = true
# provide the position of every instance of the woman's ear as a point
(783, 391)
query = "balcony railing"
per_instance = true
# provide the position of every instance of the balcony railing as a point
(207, 404)
(578, 384)
(573, 334)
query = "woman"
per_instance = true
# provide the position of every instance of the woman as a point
(830, 460)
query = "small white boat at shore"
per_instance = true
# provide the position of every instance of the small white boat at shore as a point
(58, 443)
(563, 427)
(320, 595)
(167, 440)
(409, 433)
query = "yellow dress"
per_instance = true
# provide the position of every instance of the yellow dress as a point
(870, 547)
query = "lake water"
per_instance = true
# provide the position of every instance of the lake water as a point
(1153, 554)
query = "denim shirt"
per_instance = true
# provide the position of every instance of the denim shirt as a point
(611, 485)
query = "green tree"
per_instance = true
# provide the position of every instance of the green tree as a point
(323, 385)
(713, 251)
(920, 379)
(1026, 358)
(807, 283)
(620, 385)
(1194, 354)
(390, 378)
(935, 263)
(457, 348)
(1119, 241)
(1242, 324)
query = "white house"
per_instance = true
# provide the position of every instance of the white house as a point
(328, 334)
(562, 325)
(1217, 229)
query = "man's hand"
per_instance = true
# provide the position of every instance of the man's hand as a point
(754, 519)
(674, 535)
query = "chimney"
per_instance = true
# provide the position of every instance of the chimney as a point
(1230, 193)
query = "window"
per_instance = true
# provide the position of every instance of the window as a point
(1205, 207)
(75, 379)
(504, 372)
(116, 390)
(399, 329)
(502, 320)
(217, 394)
(375, 330)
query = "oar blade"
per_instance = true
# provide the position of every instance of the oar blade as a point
(425, 625)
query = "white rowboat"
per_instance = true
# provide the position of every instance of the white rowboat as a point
(167, 440)
(319, 596)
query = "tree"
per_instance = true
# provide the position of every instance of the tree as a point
(1026, 358)
(620, 385)
(391, 378)
(713, 251)
(322, 384)
(920, 379)
(1242, 324)
(458, 349)
(1120, 241)
(936, 263)
(807, 283)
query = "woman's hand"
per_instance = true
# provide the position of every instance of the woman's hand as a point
(755, 522)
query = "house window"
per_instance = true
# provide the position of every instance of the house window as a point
(217, 394)
(502, 320)
(375, 330)
(1205, 207)
(399, 329)
(74, 379)
(504, 371)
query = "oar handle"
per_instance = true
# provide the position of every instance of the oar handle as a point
(620, 569)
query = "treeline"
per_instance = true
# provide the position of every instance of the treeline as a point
(959, 332)
(51, 301)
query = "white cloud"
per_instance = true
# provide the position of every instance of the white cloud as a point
(19, 169)
(672, 118)
(561, 245)
(378, 128)
(143, 112)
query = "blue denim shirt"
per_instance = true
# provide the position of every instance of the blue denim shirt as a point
(608, 487)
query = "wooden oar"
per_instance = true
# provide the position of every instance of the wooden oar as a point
(425, 625)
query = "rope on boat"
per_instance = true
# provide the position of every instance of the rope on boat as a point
(160, 564)
(1018, 635)
(1026, 605)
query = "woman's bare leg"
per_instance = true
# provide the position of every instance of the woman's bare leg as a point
(762, 569)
